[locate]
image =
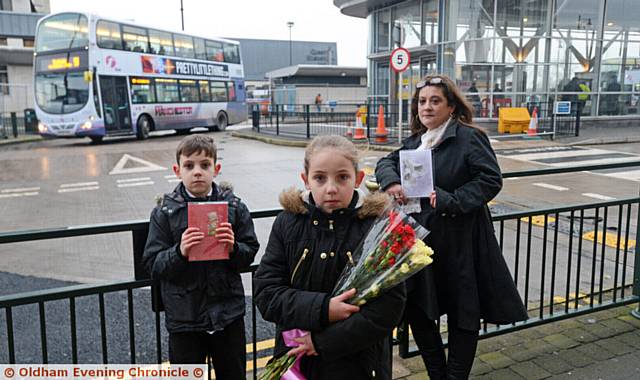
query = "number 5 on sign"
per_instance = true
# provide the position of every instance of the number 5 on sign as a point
(400, 59)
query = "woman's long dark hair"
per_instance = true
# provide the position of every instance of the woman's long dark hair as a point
(462, 111)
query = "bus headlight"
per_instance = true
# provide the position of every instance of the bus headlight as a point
(86, 126)
(42, 127)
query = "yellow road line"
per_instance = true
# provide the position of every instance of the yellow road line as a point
(368, 170)
(262, 345)
(261, 363)
(538, 220)
(610, 239)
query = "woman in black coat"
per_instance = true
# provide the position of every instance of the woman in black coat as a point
(472, 280)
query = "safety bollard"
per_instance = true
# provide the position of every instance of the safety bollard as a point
(14, 124)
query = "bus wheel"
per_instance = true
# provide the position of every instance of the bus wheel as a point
(222, 121)
(144, 126)
(96, 139)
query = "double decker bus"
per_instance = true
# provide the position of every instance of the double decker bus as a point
(97, 77)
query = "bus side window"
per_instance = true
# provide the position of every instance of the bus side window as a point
(218, 91)
(198, 44)
(183, 46)
(142, 90)
(231, 53)
(160, 42)
(214, 51)
(135, 39)
(231, 92)
(108, 35)
(205, 93)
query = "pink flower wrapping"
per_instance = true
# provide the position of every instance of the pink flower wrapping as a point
(289, 336)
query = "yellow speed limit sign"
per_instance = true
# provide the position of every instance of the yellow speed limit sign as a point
(400, 59)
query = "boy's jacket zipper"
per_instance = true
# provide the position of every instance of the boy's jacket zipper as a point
(304, 254)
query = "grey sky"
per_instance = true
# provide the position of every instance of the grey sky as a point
(314, 20)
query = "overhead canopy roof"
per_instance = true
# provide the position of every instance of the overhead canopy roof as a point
(361, 8)
(317, 71)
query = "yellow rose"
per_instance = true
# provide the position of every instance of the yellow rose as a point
(420, 254)
(404, 268)
(374, 290)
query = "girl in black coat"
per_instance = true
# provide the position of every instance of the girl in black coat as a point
(310, 243)
(472, 281)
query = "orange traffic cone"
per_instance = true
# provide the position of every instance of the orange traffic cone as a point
(349, 133)
(359, 136)
(381, 131)
(533, 123)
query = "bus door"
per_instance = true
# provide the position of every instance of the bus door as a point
(115, 104)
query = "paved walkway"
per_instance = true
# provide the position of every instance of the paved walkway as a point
(603, 345)
(5, 140)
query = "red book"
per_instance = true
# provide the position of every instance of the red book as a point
(206, 216)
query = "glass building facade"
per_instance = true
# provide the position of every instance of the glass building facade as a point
(510, 52)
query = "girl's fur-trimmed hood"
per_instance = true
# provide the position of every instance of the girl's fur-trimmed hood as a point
(294, 201)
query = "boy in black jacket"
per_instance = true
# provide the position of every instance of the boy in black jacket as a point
(204, 300)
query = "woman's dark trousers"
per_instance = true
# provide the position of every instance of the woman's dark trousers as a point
(462, 346)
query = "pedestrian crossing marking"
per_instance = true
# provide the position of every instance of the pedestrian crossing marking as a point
(139, 179)
(549, 186)
(601, 161)
(20, 190)
(78, 184)
(15, 195)
(538, 220)
(633, 175)
(556, 154)
(610, 239)
(134, 184)
(76, 189)
(598, 196)
(570, 156)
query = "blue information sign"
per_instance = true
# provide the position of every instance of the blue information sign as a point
(562, 108)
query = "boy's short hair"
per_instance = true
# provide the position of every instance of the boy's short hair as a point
(196, 144)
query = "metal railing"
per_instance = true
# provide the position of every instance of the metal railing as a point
(524, 236)
(559, 125)
(309, 120)
(13, 125)
(547, 246)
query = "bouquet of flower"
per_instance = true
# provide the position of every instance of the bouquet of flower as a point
(391, 252)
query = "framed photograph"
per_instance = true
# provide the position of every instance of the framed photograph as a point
(416, 173)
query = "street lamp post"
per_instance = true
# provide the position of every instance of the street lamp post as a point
(182, 14)
(290, 25)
